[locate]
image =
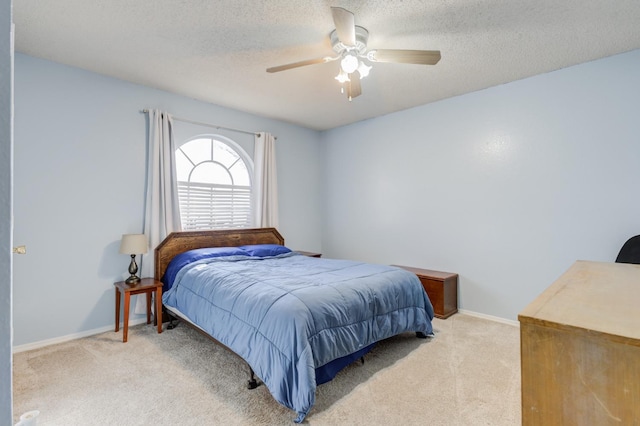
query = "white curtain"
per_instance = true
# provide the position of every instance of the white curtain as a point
(162, 208)
(265, 183)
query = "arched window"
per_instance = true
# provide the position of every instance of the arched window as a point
(214, 184)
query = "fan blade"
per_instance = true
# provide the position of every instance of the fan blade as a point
(345, 25)
(422, 57)
(353, 85)
(299, 64)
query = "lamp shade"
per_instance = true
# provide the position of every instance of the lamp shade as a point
(133, 244)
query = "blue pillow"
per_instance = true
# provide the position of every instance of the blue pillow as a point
(263, 250)
(190, 256)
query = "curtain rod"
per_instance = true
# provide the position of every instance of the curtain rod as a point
(197, 123)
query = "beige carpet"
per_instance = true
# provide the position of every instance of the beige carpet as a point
(469, 374)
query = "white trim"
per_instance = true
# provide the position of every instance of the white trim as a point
(490, 317)
(68, 337)
(143, 320)
(227, 141)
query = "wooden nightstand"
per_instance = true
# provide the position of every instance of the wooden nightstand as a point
(309, 253)
(146, 285)
(442, 289)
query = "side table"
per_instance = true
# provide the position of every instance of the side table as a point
(441, 287)
(145, 285)
(309, 253)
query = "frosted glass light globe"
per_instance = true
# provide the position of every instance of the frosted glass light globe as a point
(349, 64)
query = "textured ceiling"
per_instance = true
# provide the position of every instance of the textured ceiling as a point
(218, 51)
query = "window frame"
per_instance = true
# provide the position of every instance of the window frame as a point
(199, 224)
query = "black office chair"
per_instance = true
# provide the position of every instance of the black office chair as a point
(630, 251)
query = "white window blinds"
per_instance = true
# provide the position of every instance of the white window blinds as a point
(211, 206)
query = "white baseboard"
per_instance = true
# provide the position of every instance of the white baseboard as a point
(68, 337)
(61, 339)
(490, 317)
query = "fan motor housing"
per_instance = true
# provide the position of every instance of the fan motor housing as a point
(362, 36)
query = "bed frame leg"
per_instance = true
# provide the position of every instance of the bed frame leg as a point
(173, 322)
(252, 380)
(421, 335)
(362, 359)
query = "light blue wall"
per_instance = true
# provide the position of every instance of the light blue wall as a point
(507, 186)
(6, 178)
(79, 185)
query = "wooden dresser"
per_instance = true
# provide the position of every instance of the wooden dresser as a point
(580, 348)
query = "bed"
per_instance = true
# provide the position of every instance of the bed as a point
(296, 320)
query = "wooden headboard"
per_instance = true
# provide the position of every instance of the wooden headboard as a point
(179, 242)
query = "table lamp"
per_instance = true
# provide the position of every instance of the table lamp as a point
(133, 244)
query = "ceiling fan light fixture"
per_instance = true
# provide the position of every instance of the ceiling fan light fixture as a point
(349, 42)
(363, 70)
(349, 63)
(342, 76)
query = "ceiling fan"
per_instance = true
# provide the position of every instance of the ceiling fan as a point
(349, 41)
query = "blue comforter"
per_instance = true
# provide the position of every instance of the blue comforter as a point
(289, 314)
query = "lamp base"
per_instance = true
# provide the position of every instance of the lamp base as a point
(133, 270)
(132, 280)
